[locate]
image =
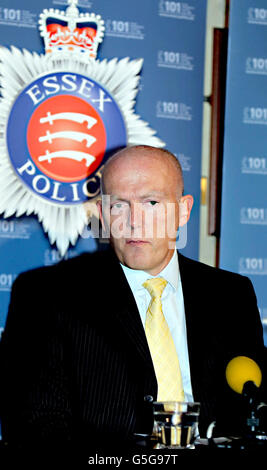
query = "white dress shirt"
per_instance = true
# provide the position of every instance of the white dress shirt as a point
(173, 309)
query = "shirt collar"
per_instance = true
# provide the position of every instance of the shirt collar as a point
(171, 273)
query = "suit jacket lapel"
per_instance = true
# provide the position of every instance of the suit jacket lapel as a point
(200, 338)
(192, 301)
(127, 315)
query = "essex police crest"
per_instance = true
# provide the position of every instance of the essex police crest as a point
(62, 114)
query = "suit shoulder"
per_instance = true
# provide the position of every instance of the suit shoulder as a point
(66, 268)
(210, 272)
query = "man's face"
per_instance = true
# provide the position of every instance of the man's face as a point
(144, 210)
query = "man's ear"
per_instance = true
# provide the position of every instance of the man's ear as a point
(185, 206)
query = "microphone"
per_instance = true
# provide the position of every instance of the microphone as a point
(244, 376)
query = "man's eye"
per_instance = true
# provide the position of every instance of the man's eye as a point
(117, 206)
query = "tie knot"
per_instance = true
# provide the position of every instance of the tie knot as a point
(155, 286)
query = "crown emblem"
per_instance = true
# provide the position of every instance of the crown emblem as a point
(71, 31)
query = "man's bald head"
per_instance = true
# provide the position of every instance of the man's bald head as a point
(144, 153)
(143, 205)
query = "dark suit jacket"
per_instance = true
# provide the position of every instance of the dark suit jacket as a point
(75, 359)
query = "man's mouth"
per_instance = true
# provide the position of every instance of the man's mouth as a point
(136, 242)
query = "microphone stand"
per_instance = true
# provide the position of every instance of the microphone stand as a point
(253, 435)
(253, 425)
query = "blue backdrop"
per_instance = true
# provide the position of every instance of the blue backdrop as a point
(244, 199)
(170, 37)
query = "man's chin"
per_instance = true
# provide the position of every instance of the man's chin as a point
(137, 259)
(134, 263)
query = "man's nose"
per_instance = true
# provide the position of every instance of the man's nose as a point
(135, 215)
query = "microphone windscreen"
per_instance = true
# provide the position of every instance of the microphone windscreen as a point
(240, 370)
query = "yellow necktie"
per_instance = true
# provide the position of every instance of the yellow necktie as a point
(161, 345)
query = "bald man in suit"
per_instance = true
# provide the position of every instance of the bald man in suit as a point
(76, 362)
